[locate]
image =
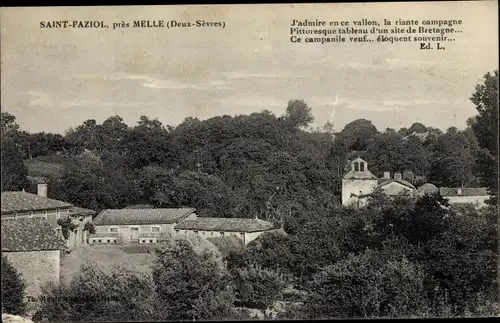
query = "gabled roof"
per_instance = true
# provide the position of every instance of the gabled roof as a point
(225, 224)
(388, 181)
(29, 234)
(20, 201)
(466, 191)
(142, 216)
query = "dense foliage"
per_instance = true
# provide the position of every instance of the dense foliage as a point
(391, 258)
(13, 288)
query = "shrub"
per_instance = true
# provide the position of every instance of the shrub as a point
(257, 287)
(97, 294)
(190, 285)
(89, 227)
(13, 288)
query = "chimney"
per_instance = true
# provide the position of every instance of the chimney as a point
(397, 176)
(42, 190)
(387, 175)
(459, 191)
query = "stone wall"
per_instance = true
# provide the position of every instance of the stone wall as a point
(36, 268)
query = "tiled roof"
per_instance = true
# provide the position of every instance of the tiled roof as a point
(142, 216)
(29, 234)
(466, 191)
(400, 181)
(225, 224)
(23, 201)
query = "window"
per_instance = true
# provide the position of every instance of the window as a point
(155, 229)
(222, 234)
(99, 240)
(362, 167)
(356, 167)
(109, 241)
(150, 241)
(113, 230)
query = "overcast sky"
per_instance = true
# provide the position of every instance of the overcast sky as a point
(53, 79)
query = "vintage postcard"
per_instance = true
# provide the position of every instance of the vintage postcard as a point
(249, 162)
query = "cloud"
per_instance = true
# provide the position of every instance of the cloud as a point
(39, 98)
(416, 102)
(155, 83)
(256, 102)
(391, 64)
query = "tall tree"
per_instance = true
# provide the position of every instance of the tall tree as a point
(9, 124)
(14, 171)
(485, 98)
(298, 114)
(357, 134)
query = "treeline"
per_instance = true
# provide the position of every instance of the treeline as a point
(248, 164)
(391, 258)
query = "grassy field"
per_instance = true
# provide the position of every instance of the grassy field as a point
(134, 257)
(51, 169)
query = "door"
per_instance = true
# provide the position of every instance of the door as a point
(134, 234)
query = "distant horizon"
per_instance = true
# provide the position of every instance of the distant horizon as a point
(54, 79)
(312, 127)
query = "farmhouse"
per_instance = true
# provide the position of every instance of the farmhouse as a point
(243, 228)
(34, 249)
(458, 196)
(137, 225)
(359, 181)
(20, 205)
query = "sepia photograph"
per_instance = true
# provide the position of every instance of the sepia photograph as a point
(249, 162)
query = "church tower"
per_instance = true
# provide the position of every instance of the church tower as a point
(358, 181)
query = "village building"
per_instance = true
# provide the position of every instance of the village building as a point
(21, 204)
(458, 196)
(34, 249)
(245, 229)
(137, 225)
(359, 182)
